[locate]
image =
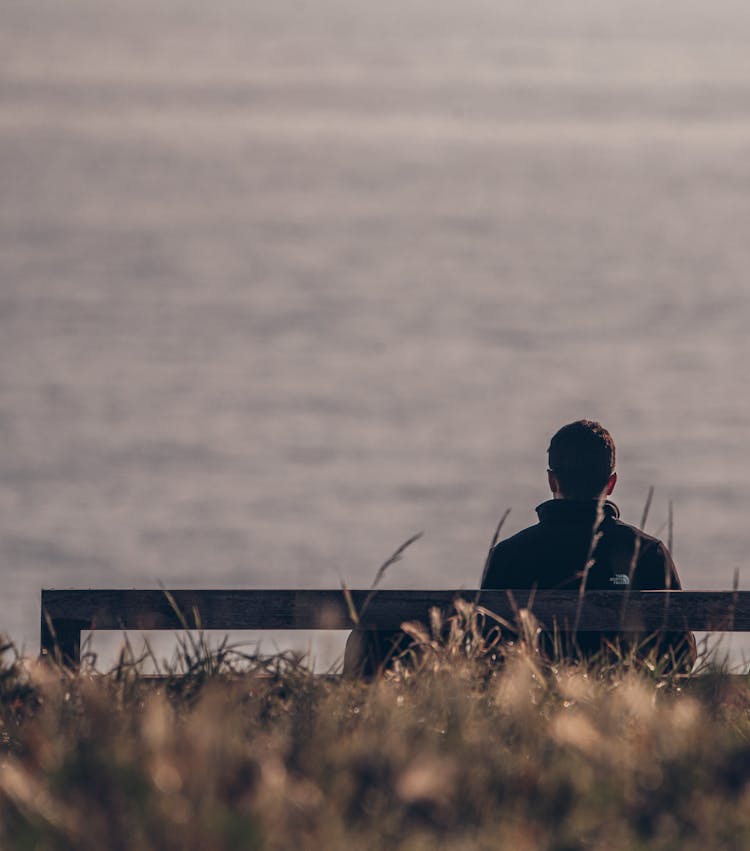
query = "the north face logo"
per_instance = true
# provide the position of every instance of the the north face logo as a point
(620, 579)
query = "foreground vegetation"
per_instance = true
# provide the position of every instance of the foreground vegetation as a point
(464, 745)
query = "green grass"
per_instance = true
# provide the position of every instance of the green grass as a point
(462, 745)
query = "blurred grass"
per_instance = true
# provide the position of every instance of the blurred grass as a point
(464, 744)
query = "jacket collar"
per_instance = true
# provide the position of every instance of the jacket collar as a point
(574, 511)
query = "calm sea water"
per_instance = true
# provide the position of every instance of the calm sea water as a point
(283, 283)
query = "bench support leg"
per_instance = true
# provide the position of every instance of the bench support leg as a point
(61, 640)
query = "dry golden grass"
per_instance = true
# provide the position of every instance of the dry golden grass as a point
(460, 746)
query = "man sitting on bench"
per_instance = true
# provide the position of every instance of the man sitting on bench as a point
(581, 541)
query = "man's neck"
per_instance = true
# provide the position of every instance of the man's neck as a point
(602, 498)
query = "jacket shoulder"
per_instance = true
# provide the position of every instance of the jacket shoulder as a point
(526, 535)
(626, 531)
(654, 567)
(503, 558)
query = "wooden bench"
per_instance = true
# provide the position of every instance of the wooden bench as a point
(65, 613)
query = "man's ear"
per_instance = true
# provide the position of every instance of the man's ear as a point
(554, 485)
(611, 482)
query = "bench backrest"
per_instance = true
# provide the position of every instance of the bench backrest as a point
(66, 612)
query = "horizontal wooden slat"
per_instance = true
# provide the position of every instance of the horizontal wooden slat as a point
(388, 609)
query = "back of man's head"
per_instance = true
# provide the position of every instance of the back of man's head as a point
(582, 458)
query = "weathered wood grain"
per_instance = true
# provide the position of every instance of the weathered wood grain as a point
(71, 610)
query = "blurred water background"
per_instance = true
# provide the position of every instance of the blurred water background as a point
(282, 283)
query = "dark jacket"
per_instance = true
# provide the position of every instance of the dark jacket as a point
(553, 555)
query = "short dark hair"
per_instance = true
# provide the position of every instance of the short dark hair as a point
(582, 457)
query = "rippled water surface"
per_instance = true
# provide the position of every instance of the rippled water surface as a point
(281, 284)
